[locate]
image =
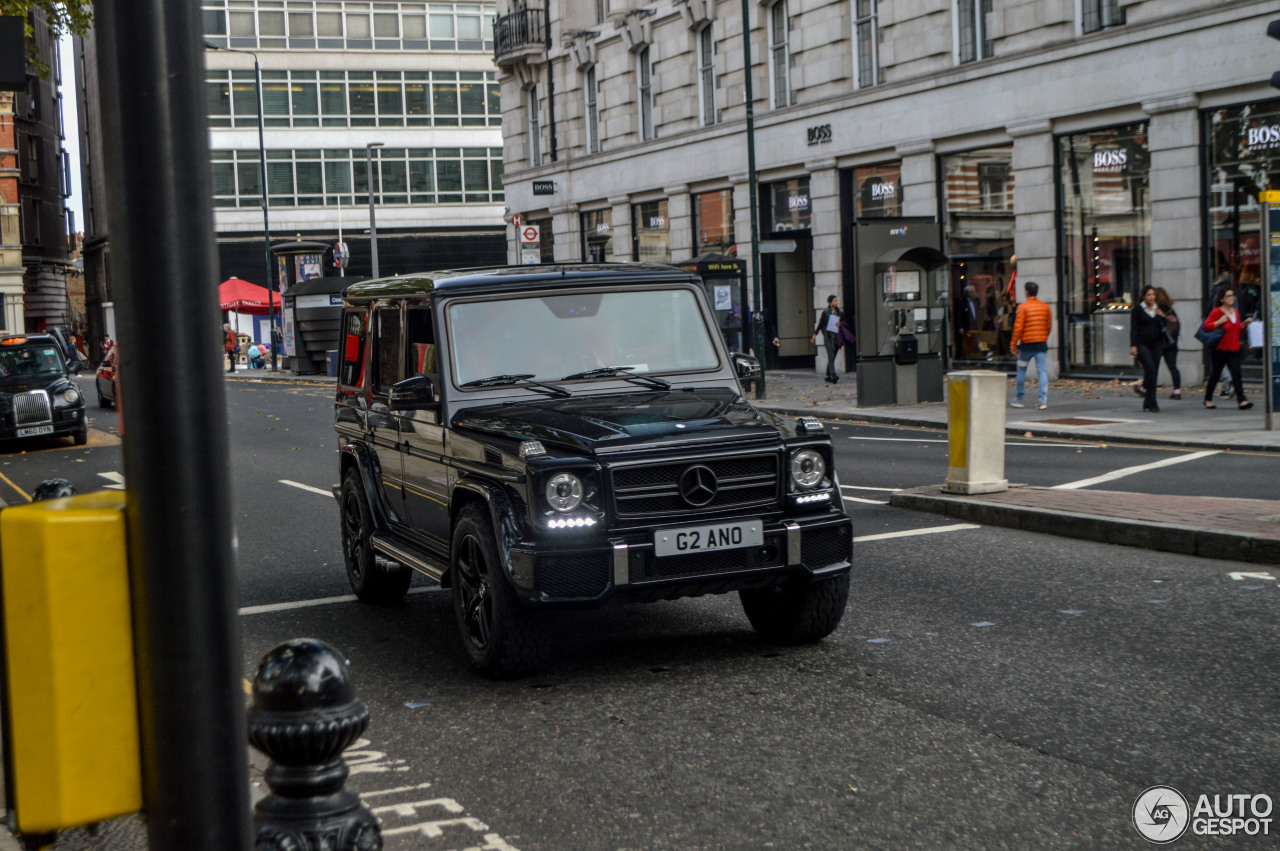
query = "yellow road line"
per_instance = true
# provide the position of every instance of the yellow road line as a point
(10, 483)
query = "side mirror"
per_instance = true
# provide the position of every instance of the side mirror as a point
(74, 367)
(413, 394)
(748, 367)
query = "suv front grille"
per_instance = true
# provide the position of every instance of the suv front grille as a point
(653, 490)
(31, 409)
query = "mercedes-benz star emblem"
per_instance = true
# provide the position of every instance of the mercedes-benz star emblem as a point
(698, 485)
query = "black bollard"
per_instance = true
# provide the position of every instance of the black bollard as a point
(304, 715)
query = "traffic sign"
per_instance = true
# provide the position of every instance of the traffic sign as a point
(516, 221)
(530, 235)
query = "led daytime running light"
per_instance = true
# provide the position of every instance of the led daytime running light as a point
(571, 522)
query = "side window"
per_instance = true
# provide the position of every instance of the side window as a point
(421, 339)
(351, 373)
(387, 351)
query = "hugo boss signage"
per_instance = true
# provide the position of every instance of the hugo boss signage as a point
(1264, 137)
(1109, 160)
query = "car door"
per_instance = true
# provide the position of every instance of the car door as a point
(426, 484)
(386, 367)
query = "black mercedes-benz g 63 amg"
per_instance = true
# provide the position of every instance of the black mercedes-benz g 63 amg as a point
(567, 436)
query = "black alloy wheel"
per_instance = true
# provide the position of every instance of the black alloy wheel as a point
(371, 582)
(501, 640)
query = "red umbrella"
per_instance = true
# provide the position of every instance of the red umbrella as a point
(243, 297)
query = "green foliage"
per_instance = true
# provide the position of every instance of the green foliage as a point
(74, 18)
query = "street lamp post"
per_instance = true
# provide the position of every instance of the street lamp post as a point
(266, 226)
(373, 227)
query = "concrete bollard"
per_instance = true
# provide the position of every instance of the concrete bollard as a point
(975, 430)
(304, 715)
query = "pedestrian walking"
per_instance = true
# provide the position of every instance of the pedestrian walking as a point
(1224, 317)
(828, 326)
(1146, 343)
(1031, 340)
(231, 345)
(1172, 330)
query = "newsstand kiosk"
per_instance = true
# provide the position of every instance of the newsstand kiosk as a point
(900, 287)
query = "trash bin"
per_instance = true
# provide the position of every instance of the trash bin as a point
(332, 355)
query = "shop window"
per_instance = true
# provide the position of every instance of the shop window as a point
(978, 237)
(644, 94)
(1104, 241)
(877, 191)
(971, 30)
(597, 236)
(866, 40)
(789, 205)
(706, 76)
(713, 222)
(1099, 14)
(1243, 159)
(546, 242)
(779, 55)
(650, 234)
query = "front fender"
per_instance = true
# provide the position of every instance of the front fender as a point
(503, 519)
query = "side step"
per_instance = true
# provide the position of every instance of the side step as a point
(433, 569)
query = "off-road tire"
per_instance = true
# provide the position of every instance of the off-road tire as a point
(372, 582)
(501, 640)
(798, 611)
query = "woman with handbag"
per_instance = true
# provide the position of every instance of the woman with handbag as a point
(1224, 318)
(829, 327)
(1146, 343)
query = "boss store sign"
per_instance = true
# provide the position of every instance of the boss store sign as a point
(1265, 137)
(1110, 160)
(789, 204)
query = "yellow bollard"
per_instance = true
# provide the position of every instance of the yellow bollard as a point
(975, 432)
(73, 712)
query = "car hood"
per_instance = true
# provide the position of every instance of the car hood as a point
(21, 383)
(625, 420)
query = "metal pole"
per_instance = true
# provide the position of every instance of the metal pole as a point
(266, 227)
(755, 213)
(373, 227)
(176, 455)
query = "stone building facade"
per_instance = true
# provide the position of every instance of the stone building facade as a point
(1106, 144)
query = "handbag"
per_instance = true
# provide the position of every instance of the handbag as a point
(1209, 338)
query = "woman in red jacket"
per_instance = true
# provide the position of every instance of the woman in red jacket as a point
(1226, 318)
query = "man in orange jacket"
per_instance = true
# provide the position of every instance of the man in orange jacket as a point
(1031, 339)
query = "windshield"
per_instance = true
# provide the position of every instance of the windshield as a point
(553, 337)
(30, 361)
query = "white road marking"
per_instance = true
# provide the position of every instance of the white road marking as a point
(395, 791)
(862, 488)
(932, 530)
(321, 601)
(867, 501)
(320, 491)
(899, 439)
(1007, 443)
(116, 478)
(1239, 577)
(1129, 471)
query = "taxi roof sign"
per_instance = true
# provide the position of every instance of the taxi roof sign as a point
(13, 341)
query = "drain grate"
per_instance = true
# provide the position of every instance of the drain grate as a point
(1077, 421)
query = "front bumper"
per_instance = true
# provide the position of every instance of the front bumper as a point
(65, 421)
(624, 565)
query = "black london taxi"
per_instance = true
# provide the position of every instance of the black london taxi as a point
(37, 396)
(569, 436)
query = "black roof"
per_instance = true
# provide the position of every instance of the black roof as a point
(39, 339)
(516, 278)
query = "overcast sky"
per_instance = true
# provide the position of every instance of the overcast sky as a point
(71, 127)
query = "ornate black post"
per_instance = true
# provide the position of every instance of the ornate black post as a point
(304, 715)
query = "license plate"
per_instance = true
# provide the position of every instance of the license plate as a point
(34, 430)
(708, 537)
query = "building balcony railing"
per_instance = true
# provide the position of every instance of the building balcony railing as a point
(521, 35)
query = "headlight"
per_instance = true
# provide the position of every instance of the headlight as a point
(71, 395)
(564, 492)
(807, 468)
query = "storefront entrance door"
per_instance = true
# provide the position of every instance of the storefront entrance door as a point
(792, 283)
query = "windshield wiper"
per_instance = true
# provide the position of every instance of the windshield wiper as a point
(522, 379)
(620, 372)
